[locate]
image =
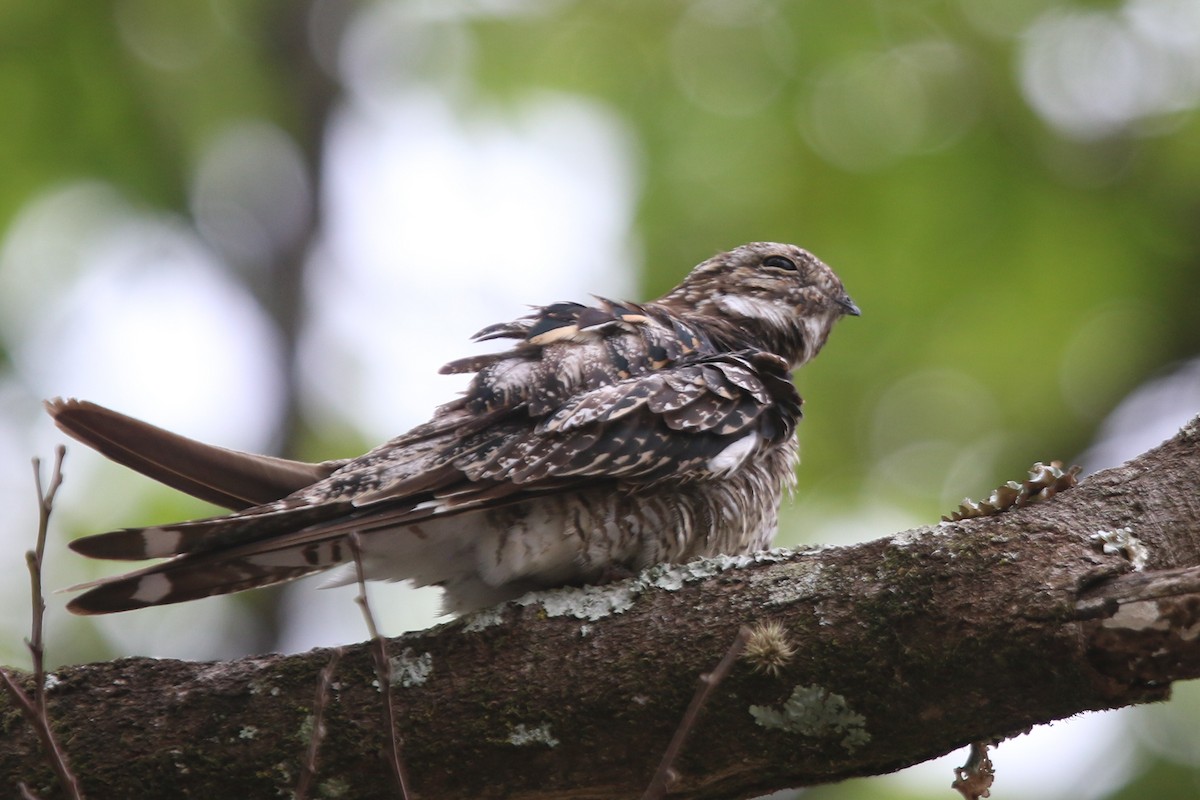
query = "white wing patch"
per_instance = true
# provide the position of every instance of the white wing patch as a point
(732, 456)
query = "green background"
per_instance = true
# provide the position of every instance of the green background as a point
(1009, 190)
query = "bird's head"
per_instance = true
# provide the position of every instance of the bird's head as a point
(777, 297)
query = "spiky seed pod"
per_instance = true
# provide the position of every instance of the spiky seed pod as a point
(769, 649)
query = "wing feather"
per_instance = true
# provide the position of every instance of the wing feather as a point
(665, 423)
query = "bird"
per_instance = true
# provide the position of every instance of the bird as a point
(608, 437)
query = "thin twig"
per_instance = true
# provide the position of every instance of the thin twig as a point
(308, 772)
(973, 779)
(665, 775)
(35, 709)
(382, 669)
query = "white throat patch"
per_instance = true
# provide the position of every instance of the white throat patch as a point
(756, 308)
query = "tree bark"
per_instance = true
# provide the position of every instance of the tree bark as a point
(905, 648)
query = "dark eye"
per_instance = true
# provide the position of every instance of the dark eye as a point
(779, 262)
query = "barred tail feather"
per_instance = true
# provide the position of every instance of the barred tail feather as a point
(204, 535)
(201, 575)
(158, 586)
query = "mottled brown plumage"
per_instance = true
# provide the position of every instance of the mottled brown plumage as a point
(609, 437)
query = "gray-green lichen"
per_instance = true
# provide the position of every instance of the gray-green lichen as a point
(1191, 427)
(817, 712)
(484, 619)
(587, 602)
(411, 670)
(522, 736)
(283, 773)
(334, 788)
(1123, 542)
(596, 602)
(794, 582)
(304, 733)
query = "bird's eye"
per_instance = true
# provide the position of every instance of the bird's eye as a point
(779, 262)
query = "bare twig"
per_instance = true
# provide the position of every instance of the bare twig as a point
(973, 779)
(35, 708)
(309, 771)
(665, 775)
(33, 560)
(382, 670)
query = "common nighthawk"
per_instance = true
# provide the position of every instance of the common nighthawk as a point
(610, 437)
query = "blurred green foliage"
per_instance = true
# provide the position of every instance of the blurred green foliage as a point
(1050, 274)
(1016, 280)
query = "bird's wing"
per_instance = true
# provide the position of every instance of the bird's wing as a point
(228, 478)
(690, 421)
(567, 348)
(667, 424)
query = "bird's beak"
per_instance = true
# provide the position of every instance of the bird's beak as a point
(845, 302)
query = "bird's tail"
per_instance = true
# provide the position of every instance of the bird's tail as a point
(191, 578)
(229, 554)
(229, 478)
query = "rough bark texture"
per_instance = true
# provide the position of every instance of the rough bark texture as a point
(906, 647)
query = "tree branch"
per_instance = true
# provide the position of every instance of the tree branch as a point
(907, 647)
